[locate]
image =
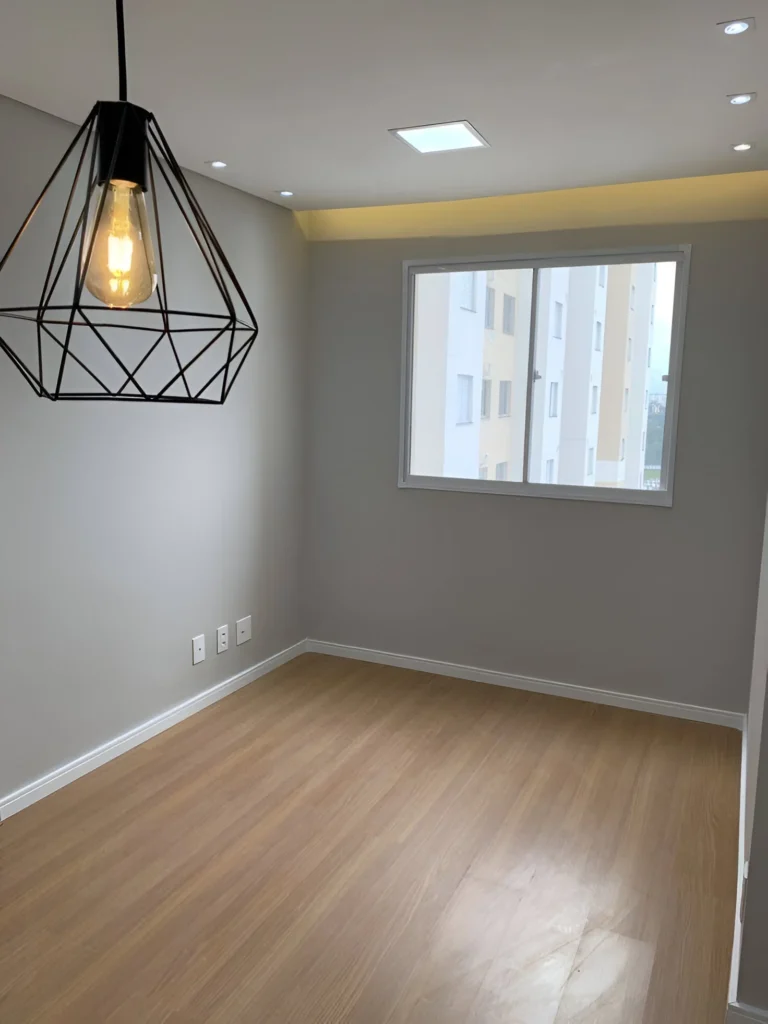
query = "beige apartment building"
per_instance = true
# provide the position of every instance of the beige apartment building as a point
(630, 308)
(505, 373)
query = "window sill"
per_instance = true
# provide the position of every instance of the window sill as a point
(605, 495)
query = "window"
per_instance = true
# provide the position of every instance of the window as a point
(509, 314)
(646, 400)
(649, 357)
(557, 326)
(602, 275)
(464, 399)
(553, 392)
(632, 297)
(642, 446)
(653, 311)
(505, 397)
(501, 470)
(543, 407)
(482, 473)
(490, 307)
(466, 283)
(485, 400)
(598, 336)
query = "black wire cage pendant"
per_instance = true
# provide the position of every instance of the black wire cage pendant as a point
(108, 318)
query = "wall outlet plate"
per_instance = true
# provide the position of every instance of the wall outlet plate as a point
(243, 630)
(222, 639)
(198, 649)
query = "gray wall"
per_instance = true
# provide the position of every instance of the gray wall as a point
(127, 529)
(650, 601)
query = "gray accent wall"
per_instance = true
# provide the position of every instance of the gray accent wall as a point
(649, 601)
(127, 529)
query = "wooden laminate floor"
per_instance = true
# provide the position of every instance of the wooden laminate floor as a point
(343, 842)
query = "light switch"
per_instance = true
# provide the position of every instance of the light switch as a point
(243, 630)
(198, 649)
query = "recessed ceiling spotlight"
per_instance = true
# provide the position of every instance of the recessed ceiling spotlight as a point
(217, 164)
(742, 147)
(740, 98)
(736, 28)
(440, 138)
(285, 192)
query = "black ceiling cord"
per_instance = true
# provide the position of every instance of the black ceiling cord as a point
(121, 50)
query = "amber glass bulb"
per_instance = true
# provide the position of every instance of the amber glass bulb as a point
(121, 271)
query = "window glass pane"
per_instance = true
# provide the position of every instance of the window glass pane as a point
(485, 401)
(608, 402)
(509, 314)
(490, 308)
(465, 384)
(468, 388)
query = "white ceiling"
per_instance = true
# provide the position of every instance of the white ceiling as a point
(299, 94)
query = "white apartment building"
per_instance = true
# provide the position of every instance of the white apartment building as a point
(588, 420)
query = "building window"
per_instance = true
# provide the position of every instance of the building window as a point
(557, 327)
(467, 290)
(642, 446)
(490, 307)
(509, 314)
(505, 397)
(485, 400)
(554, 388)
(452, 368)
(482, 473)
(501, 470)
(632, 297)
(654, 273)
(602, 275)
(653, 311)
(646, 399)
(649, 357)
(464, 398)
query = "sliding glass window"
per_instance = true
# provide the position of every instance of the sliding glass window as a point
(569, 383)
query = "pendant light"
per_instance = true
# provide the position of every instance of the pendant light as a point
(109, 317)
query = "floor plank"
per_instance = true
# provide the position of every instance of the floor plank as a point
(343, 842)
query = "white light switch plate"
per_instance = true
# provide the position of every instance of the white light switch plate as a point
(198, 649)
(222, 639)
(243, 630)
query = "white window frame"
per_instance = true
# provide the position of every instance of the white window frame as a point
(681, 254)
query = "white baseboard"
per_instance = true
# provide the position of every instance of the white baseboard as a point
(42, 787)
(733, 984)
(34, 791)
(740, 1014)
(731, 719)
